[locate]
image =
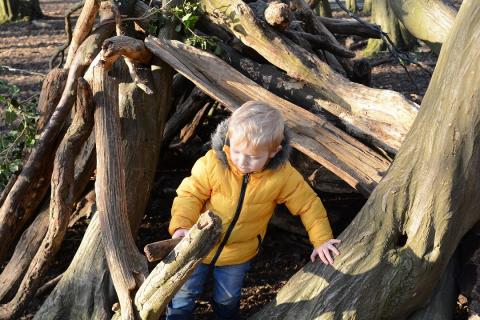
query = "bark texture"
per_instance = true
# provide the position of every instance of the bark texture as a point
(311, 134)
(427, 20)
(400, 243)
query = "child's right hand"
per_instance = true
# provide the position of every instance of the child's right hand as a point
(180, 233)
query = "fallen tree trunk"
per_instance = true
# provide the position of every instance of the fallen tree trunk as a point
(427, 20)
(170, 274)
(299, 64)
(385, 129)
(400, 243)
(353, 162)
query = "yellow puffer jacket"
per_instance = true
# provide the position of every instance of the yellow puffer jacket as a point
(215, 184)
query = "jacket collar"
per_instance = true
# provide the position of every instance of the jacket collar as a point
(221, 145)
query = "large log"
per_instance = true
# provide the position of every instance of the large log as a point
(170, 274)
(313, 135)
(62, 196)
(427, 20)
(398, 246)
(127, 266)
(237, 17)
(386, 131)
(32, 184)
(85, 290)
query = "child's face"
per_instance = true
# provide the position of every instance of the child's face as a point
(247, 159)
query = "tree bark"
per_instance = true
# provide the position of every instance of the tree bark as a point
(170, 274)
(352, 5)
(62, 197)
(324, 9)
(281, 52)
(383, 15)
(311, 134)
(385, 129)
(427, 20)
(11, 10)
(126, 265)
(85, 291)
(400, 243)
(82, 28)
(33, 182)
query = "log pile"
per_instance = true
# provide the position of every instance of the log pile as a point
(146, 88)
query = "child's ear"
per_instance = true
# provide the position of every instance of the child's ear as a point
(277, 150)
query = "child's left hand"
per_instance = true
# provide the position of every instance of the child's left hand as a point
(324, 251)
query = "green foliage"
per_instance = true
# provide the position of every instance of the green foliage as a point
(17, 129)
(186, 17)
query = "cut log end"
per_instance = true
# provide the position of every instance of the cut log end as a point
(278, 15)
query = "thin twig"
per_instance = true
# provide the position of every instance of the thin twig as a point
(22, 71)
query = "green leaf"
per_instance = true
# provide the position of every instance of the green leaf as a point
(218, 50)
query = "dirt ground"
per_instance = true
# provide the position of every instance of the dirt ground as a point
(27, 47)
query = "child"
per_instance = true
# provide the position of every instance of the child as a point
(242, 179)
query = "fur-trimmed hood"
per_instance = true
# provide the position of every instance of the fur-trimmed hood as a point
(219, 139)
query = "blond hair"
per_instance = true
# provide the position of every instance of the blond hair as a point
(257, 125)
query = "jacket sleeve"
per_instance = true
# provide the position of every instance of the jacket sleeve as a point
(192, 195)
(301, 200)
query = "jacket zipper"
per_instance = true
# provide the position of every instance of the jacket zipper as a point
(243, 189)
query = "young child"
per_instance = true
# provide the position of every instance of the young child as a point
(242, 179)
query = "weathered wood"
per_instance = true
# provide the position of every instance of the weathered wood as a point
(313, 135)
(188, 131)
(278, 15)
(429, 21)
(160, 249)
(52, 89)
(442, 303)
(400, 243)
(82, 28)
(127, 267)
(237, 17)
(183, 114)
(170, 274)
(32, 183)
(350, 27)
(61, 202)
(383, 15)
(322, 42)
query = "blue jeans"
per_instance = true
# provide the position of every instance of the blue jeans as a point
(227, 285)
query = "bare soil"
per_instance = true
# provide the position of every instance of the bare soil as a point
(27, 47)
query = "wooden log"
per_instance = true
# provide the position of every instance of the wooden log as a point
(82, 28)
(359, 166)
(350, 27)
(240, 20)
(32, 183)
(278, 15)
(184, 113)
(377, 127)
(188, 131)
(127, 267)
(170, 274)
(31, 239)
(321, 42)
(52, 89)
(429, 21)
(61, 203)
(158, 250)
